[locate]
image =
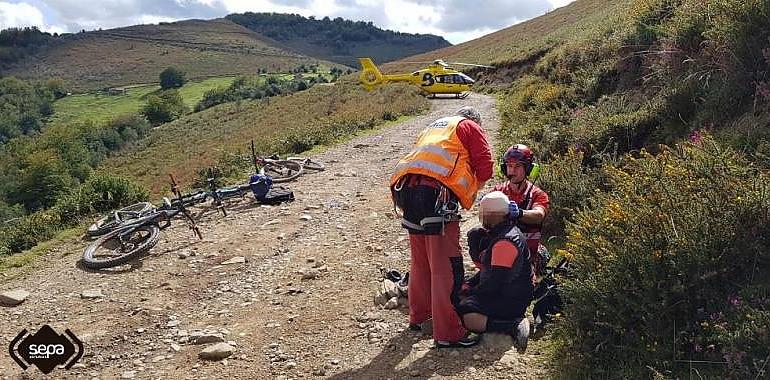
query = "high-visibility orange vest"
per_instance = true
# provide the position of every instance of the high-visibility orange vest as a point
(440, 154)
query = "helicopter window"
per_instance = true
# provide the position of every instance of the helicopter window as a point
(444, 79)
(462, 78)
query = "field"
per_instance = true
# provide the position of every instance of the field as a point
(99, 107)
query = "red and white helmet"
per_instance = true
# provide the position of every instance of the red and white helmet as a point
(518, 153)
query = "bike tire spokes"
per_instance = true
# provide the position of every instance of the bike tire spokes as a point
(121, 244)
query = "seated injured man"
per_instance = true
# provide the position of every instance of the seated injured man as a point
(499, 294)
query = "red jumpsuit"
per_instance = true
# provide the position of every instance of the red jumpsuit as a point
(436, 273)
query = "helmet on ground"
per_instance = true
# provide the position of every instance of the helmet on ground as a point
(469, 112)
(518, 153)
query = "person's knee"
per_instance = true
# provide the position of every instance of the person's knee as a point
(475, 322)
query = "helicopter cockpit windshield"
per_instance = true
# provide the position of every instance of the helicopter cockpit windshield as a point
(466, 78)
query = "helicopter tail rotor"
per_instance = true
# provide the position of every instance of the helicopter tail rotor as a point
(370, 76)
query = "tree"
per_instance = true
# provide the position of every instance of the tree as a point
(164, 107)
(43, 179)
(172, 78)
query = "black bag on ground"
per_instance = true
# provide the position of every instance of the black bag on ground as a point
(277, 195)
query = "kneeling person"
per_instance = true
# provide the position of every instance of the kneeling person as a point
(498, 302)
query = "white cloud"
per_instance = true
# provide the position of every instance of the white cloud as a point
(456, 20)
(21, 14)
(559, 3)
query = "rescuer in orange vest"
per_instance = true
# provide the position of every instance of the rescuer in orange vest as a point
(448, 165)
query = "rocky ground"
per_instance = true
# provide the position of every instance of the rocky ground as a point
(282, 292)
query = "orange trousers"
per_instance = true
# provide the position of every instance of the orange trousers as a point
(435, 279)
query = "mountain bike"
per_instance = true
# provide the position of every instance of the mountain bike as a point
(307, 163)
(116, 218)
(137, 235)
(277, 169)
(128, 214)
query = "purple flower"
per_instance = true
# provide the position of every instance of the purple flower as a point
(696, 137)
(734, 300)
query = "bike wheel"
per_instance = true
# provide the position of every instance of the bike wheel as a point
(282, 170)
(308, 163)
(120, 246)
(109, 222)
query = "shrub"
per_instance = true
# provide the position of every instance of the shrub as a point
(164, 107)
(570, 185)
(678, 250)
(112, 192)
(99, 194)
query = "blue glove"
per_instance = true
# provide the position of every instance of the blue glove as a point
(514, 212)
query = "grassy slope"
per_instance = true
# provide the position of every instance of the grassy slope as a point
(523, 40)
(198, 140)
(100, 107)
(137, 54)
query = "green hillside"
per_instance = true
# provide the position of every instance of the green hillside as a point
(101, 107)
(137, 54)
(337, 40)
(286, 124)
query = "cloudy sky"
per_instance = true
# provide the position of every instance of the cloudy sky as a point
(455, 20)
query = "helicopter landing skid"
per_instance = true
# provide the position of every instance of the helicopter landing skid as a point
(463, 95)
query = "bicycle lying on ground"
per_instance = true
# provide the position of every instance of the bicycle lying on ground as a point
(131, 237)
(128, 214)
(283, 170)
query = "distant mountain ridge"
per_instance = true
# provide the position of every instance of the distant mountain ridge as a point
(137, 54)
(338, 40)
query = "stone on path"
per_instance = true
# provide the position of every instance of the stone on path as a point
(218, 351)
(13, 297)
(235, 260)
(92, 294)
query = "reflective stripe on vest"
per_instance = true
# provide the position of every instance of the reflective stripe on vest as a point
(422, 164)
(440, 154)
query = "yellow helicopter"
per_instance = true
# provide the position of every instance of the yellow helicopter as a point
(437, 78)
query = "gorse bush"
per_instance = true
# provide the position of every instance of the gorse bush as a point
(671, 266)
(571, 185)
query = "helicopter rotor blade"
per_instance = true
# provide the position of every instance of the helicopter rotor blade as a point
(470, 64)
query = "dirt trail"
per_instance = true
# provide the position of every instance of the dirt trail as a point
(283, 326)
